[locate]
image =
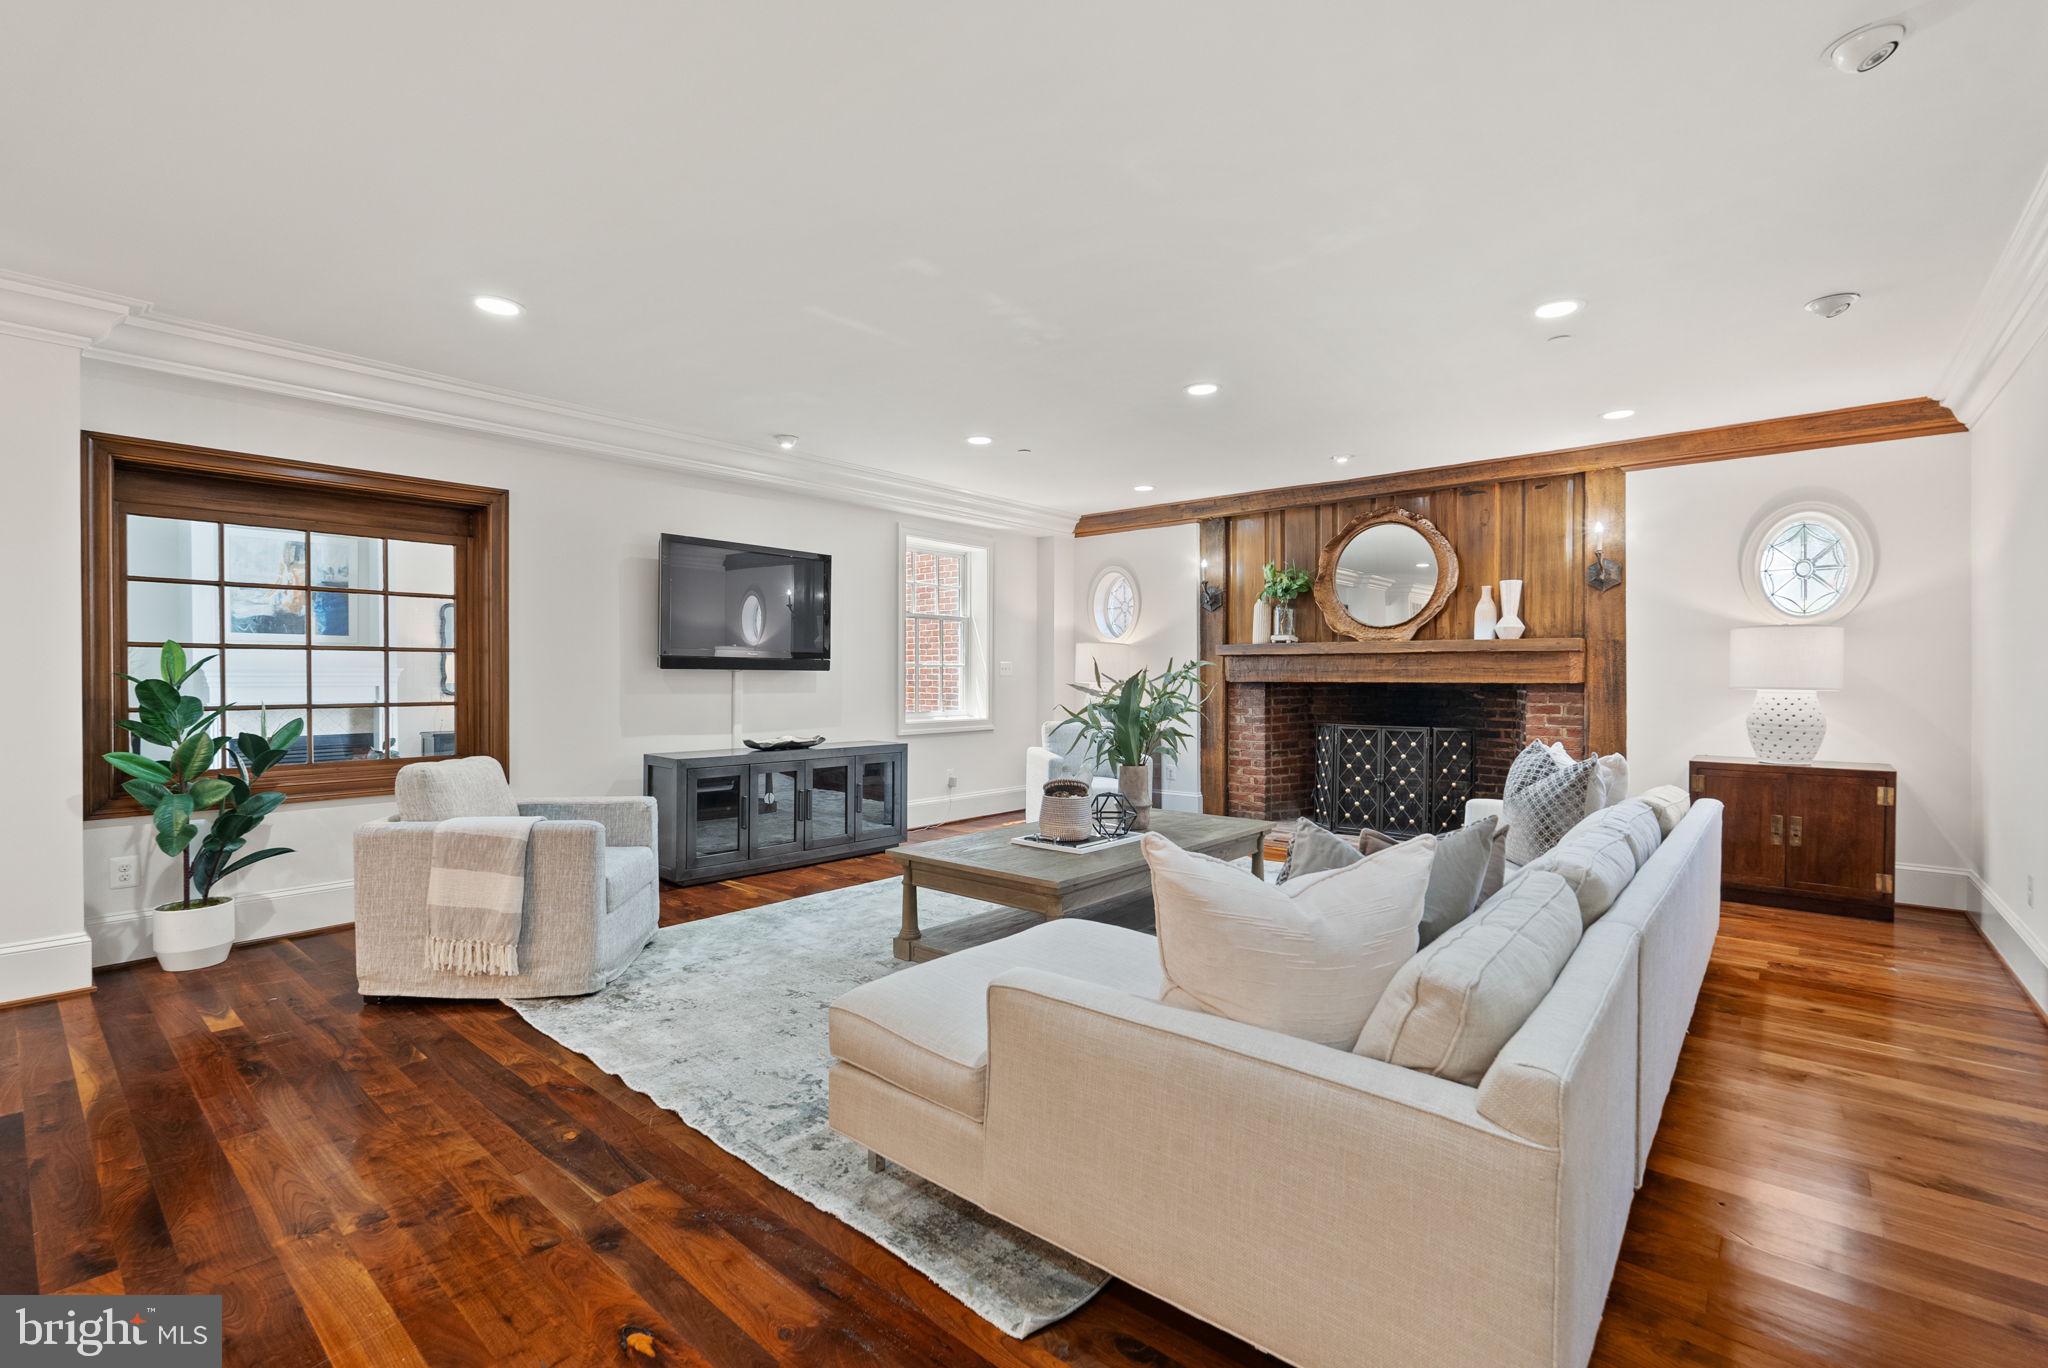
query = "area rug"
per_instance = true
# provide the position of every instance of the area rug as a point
(722, 1021)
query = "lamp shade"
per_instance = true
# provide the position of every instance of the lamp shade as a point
(1785, 658)
(1118, 660)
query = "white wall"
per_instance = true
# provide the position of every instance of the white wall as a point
(1906, 699)
(42, 949)
(2009, 669)
(587, 697)
(1165, 562)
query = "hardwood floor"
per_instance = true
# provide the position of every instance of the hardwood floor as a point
(1852, 1169)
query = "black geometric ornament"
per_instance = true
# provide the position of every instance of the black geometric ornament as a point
(1113, 815)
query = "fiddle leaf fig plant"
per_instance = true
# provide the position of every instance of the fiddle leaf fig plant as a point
(184, 784)
(1126, 721)
(1284, 584)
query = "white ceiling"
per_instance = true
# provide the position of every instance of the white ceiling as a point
(887, 225)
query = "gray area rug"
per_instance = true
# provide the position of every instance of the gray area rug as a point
(722, 1022)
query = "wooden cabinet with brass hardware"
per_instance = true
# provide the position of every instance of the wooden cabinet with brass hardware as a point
(1815, 837)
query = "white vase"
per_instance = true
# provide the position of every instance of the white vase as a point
(1510, 627)
(1786, 726)
(1485, 615)
(1262, 622)
(193, 937)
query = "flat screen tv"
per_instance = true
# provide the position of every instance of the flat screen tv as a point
(730, 606)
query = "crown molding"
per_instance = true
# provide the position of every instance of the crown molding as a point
(130, 332)
(50, 311)
(2011, 316)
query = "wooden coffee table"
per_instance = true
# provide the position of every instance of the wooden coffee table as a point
(1033, 886)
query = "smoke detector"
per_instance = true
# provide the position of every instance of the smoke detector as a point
(1832, 305)
(1867, 49)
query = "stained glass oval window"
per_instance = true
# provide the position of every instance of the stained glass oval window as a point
(1116, 603)
(1808, 564)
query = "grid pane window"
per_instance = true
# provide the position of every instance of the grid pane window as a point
(352, 634)
(937, 629)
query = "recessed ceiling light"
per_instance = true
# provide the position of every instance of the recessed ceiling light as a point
(1142, 489)
(979, 441)
(785, 440)
(1616, 415)
(499, 307)
(1203, 389)
(1832, 305)
(1559, 308)
(1422, 565)
(1340, 460)
(1866, 49)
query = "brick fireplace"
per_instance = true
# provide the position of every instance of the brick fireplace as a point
(1272, 726)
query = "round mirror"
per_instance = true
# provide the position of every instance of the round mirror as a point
(753, 619)
(1385, 576)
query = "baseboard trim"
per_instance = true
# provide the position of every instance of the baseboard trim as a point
(2012, 940)
(46, 967)
(123, 937)
(1933, 886)
(958, 807)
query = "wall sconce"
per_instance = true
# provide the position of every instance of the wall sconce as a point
(1602, 574)
(1212, 594)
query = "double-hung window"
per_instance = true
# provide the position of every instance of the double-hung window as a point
(944, 661)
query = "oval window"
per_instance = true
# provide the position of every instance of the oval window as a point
(1810, 563)
(1115, 603)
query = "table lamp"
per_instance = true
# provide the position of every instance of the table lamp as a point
(1787, 666)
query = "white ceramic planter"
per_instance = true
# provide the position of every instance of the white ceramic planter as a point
(193, 937)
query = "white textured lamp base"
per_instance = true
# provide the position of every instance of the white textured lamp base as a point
(1786, 725)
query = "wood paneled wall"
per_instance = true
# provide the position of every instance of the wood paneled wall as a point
(1536, 529)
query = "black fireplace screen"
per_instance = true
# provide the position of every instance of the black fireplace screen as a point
(1403, 781)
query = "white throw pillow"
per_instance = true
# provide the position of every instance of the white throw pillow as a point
(1670, 803)
(1453, 1007)
(1600, 855)
(1307, 959)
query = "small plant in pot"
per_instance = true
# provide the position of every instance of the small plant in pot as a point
(1126, 722)
(199, 929)
(1284, 584)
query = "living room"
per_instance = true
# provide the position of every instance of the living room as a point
(729, 563)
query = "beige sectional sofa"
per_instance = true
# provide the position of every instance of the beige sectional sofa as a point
(1328, 1207)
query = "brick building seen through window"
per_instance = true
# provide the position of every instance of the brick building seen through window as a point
(943, 604)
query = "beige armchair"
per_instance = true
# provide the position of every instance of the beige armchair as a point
(593, 897)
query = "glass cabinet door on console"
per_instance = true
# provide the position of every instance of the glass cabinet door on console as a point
(715, 802)
(828, 803)
(774, 808)
(880, 795)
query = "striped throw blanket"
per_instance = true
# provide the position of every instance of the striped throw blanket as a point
(475, 894)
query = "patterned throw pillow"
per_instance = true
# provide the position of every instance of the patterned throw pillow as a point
(1545, 799)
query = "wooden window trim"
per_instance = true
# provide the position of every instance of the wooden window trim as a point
(169, 479)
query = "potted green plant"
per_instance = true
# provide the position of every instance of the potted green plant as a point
(198, 929)
(1126, 722)
(1284, 584)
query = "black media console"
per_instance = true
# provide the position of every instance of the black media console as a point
(727, 813)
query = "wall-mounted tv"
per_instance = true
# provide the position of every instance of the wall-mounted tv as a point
(730, 606)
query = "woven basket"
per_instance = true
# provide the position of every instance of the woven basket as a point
(1063, 817)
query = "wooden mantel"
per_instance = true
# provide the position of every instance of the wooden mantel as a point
(1531, 660)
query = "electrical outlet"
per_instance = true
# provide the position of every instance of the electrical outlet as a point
(121, 872)
(952, 780)
(1005, 668)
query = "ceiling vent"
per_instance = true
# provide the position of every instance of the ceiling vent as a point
(1867, 49)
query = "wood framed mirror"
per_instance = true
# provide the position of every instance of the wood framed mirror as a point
(1384, 576)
